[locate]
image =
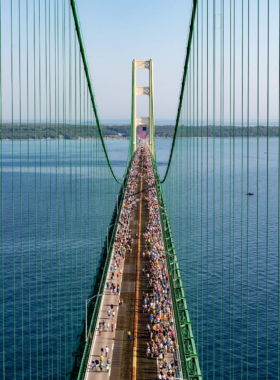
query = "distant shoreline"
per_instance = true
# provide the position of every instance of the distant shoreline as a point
(127, 139)
(43, 132)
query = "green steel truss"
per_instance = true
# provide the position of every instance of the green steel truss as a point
(187, 349)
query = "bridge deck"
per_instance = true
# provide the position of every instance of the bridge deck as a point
(128, 357)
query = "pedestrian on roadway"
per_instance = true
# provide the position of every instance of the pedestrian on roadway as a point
(129, 335)
(112, 306)
(108, 312)
(106, 351)
(113, 313)
(108, 326)
(101, 366)
(112, 326)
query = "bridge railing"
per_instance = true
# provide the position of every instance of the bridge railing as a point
(81, 355)
(186, 342)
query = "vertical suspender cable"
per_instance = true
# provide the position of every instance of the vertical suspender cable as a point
(248, 189)
(267, 188)
(278, 232)
(201, 190)
(242, 184)
(214, 194)
(233, 182)
(258, 164)
(20, 190)
(13, 196)
(35, 192)
(3, 369)
(221, 335)
(28, 191)
(230, 191)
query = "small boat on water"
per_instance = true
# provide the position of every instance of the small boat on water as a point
(250, 194)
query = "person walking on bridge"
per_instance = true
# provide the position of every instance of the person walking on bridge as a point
(106, 351)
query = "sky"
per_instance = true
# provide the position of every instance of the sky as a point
(116, 32)
(40, 57)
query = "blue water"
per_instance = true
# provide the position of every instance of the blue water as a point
(57, 202)
(227, 244)
(58, 198)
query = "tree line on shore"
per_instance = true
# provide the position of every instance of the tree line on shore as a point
(32, 131)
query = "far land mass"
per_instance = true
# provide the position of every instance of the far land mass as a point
(41, 131)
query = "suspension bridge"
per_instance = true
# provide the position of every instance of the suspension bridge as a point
(166, 262)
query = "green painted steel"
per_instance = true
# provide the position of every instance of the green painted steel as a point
(152, 132)
(132, 127)
(86, 69)
(181, 98)
(188, 354)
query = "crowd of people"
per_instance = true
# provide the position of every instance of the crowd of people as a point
(122, 245)
(157, 304)
(157, 300)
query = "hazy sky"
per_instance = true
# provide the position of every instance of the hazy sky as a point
(115, 32)
(40, 55)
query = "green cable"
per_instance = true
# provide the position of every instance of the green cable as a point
(198, 332)
(242, 183)
(64, 187)
(80, 177)
(76, 169)
(28, 187)
(278, 259)
(84, 266)
(214, 193)
(230, 190)
(71, 180)
(40, 180)
(267, 185)
(58, 190)
(248, 189)
(193, 154)
(233, 186)
(201, 192)
(13, 209)
(47, 181)
(2, 211)
(20, 189)
(35, 196)
(207, 183)
(50, 56)
(222, 188)
(258, 178)
(194, 8)
(86, 70)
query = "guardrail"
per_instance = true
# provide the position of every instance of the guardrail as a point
(80, 356)
(188, 354)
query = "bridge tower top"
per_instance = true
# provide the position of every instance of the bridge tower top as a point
(149, 91)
